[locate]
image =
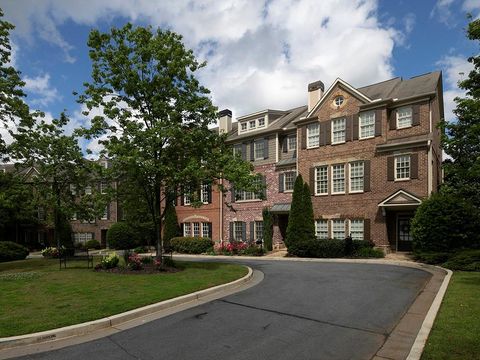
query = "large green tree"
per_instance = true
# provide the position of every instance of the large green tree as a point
(462, 137)
(156, 116)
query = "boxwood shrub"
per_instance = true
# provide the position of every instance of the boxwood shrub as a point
(10, 251)
(121, 236)
(333, 248)
(191, 245)
(93, 244)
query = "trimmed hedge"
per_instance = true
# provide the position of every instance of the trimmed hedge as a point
(93, 244)
(463, 260)
(121, 236)
(191, 245)
(10, 251)
(333, 248)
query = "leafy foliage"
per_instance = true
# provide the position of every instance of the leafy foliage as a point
(10, 251)
(267, 229)
(191, 245)
(333, 248)
(121, 236)
(171, 229)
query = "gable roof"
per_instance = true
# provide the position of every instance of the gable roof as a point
(400, 198)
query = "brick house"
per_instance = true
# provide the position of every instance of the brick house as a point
(370, 155)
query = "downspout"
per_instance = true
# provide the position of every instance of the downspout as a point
(429, 156)
(220, 195)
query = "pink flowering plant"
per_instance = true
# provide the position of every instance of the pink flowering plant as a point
(231, 248)
(134, 262)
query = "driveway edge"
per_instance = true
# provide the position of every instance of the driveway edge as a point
(114, 320)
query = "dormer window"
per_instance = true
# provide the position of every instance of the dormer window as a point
(261, 122)
(243, 126)
(252, 124)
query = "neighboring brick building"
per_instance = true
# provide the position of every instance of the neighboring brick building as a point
(370, 155)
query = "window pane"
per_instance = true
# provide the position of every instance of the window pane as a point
(313, 135)
(321, 180)
(206, 230)
(205, 193)
(321, 229)
(404, 117)
(356, 229)
(261, 122)
(196, 229)
(289, 180)
(338, 229)
(187, 231)
(292, 143)
(402, 167)
(367, 124)
(238, 231)
(356, 176)
(259, 150)
(338, 131)
(258, 230)
(338, 178)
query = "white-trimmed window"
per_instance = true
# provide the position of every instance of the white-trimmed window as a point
(356, 176)
(243, 126)
(259, 150)
(289, 180)
(105, 214)
(292, 143)
(206, 230)
(258, 230)
(196, 229)
(404, 117)
(88, 190)
(338, 179)
(338, 131)
(261, 122)
(187, 230)
(205, 193)
(238, 231)
(103, 187)
(242, 195)
(338, 229)
(402, 167)
(252, 124)
(321, 180)
(237, 150)
(186, 199)
(313, 135)
(357, 229)
(366, 125)
(338, 100)
(82, 238)
(321, 229)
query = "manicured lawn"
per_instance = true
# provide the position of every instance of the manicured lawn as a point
(456, 331)
(36, 296)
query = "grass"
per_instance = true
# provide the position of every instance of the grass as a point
(36, 296)
(456, 331)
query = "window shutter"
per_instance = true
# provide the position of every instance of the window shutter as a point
(393, 120)
(378, 122)
(355, 126)
(252, 230)
(285, 144)
(328, 132)
(265, 148)
(348, 128)
(232, 198)
(108, 212)
(244, 152)
(182, 229)
(210, 234)
(264, 190)
(252, 151)
(281, 176)
(414, 166)
(231, 231)
(303, 133)
(312, 181)
(416, 114)
(209, 194)
(366, 175)
(244, 231)
(390, 168)
(366, 229)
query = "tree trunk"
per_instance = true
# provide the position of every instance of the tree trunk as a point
(158, 224)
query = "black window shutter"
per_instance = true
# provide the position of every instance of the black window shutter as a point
(414, 166)
(231, 231)
(280, 182)
(366, 229)
(210, 230)
(264, 191)
(390, 168)
(108, 212)
(232, 190)
(312, 181)
(303, 133)
(378, 122)
(244, 152)
(348, 128)
(321, 131)
(252, 230)
(252, 151)
(393, 120)
(416, 114)
(244, 231)
(328, 132)
(366, 175)
(182, 229)
(209, 193)
(265, 148)
(285, 144)
(355, 127)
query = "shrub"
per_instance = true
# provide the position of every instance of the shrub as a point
(93, 244)
(465, 260)
(330, 248)
(254, 251)
(267, 229)
(134, 262)
(368, 252)
(50, 252)
(10, 251)
(110, 261)
(120, 236)
(191, 245)
(141, 250)
(231, 248)
(147, 260)
(445, 222)
(167, 261)
(432, 258)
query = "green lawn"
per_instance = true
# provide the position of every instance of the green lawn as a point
(36, 296)
(456, 331)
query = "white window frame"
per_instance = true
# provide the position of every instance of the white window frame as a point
(292, 143)
(334, 179)
(311, 138)
(339, 100)
(243, 126)
(261, 122)
(238, 229)
(206, 230)
(354, 227)
(338, 130)
(257, 225)
(318, 229)
(403, 117)
(88, 190)
(185, 232)
(186, 200)
(105, 214)
(397, 160)
(252, 124)
(363, 117)
(261, 144)
(290, 173)
(196, 229)
(334, 229)
(319, 180)
(204, 193)
(103, 187)
(350, 172)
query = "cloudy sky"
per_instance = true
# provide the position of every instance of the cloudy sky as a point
(260, 54)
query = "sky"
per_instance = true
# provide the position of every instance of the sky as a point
(259, 54)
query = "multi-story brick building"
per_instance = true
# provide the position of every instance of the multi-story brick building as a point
(370, 154)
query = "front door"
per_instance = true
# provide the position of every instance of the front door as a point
(404, 236)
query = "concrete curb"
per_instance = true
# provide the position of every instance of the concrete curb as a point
(421, 339)
(114, 320)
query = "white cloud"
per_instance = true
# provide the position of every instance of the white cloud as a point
(455, 68)
(41, 90)
(443, 13)
(473, 7)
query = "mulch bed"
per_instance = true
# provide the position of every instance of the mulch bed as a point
(147, 269)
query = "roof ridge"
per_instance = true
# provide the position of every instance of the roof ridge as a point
(396, 77)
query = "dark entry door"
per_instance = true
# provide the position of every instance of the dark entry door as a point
(404, 235)
(104, 237)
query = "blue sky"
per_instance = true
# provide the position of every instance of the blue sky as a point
(259, 54)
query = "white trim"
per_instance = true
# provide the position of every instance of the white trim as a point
(350, 191)
(277, 146)
(315, 180)
(430, 167)
(307, 131)
(411, 117)
(409, 168)
(402, 192)
(344, 131)
(360, 125)
(327, 93)
(332, 180)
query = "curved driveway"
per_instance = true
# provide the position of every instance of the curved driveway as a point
(301, 310)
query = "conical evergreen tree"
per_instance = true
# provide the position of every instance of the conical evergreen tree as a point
(308, 218)
(295, 218)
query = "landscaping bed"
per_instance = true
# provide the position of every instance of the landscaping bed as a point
(37, 296)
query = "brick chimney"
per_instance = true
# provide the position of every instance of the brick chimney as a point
(315, 93)
(224, 121)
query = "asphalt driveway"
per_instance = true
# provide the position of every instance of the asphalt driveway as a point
(301, 310)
